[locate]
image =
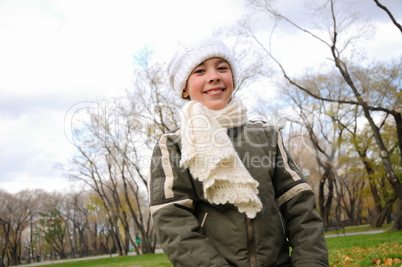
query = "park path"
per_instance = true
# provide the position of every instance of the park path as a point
(356, 233)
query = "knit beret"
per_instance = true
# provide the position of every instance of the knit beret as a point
(189, 55)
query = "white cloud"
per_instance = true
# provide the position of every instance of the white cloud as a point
(57, 53)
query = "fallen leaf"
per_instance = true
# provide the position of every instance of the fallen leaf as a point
(388, 262)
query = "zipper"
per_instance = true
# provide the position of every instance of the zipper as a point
(203, 220)
(282, 220)
(251, 241)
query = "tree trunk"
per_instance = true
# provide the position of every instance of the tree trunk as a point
(330, 194)
(321, 201)
(398, 121)
(325, 204)
(115, 236)
(384, 213)
(398, 222)
(386, 162)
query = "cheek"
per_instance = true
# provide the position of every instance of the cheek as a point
(228, 80)
(194, 86)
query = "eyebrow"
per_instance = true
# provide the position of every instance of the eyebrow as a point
(220, 61)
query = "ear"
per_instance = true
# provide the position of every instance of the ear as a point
(185, 93)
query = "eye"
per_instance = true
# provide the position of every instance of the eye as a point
(198, 71)
(223, 68)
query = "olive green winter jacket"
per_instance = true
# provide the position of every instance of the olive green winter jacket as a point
(194, 232)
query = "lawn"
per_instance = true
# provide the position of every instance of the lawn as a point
(358, 250)
(366, 250)
(156, 260)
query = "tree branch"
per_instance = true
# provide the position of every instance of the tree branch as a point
(389, 14)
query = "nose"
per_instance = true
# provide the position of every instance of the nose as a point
(213, 76)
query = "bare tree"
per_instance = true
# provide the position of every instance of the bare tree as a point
(99, 226)
(337, 44)
(77, 212)
(322, 138)
(54, 225)
(6, 226)
(349, 191)
(114, 154)
(361, 141)
(16, 213)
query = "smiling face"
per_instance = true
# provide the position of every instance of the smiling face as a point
(210, 83)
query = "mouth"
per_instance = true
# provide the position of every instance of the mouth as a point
(215, 91)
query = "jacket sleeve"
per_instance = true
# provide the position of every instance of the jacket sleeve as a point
(297, 204)
(172, 196)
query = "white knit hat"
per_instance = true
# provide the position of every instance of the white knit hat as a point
(189, 55)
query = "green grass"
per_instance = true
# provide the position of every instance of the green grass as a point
(366, 250)
(156, 260)
(383, 249)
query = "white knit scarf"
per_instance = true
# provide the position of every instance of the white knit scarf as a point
(209, 154)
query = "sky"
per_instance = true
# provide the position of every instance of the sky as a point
(56, 55)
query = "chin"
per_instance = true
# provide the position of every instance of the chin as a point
(217, 106)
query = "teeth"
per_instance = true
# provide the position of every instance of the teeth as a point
(214, 92)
